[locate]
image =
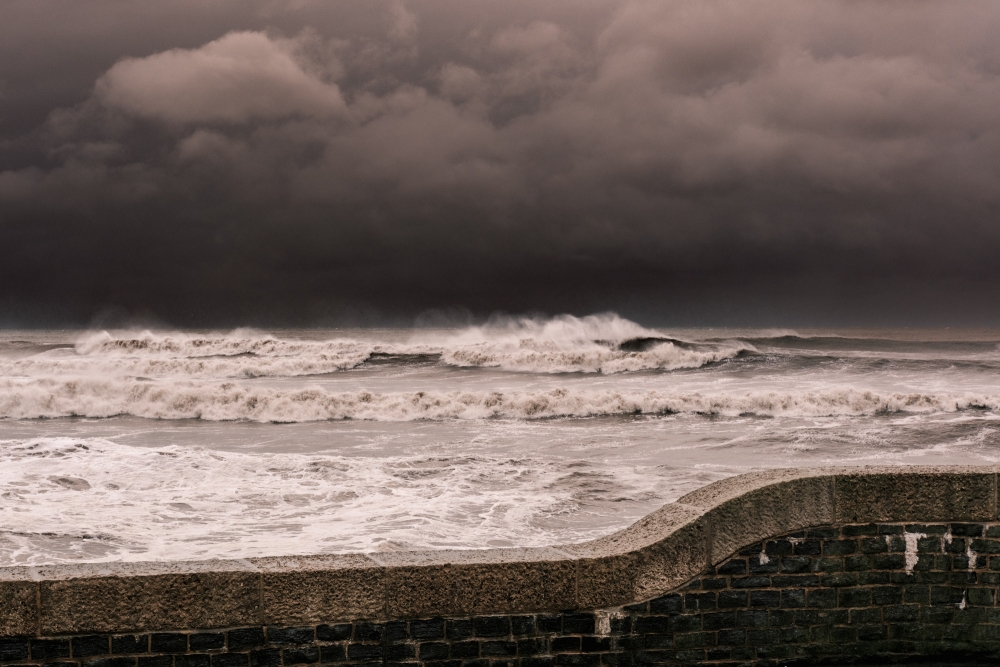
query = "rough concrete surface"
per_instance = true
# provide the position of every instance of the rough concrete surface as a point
(950, 493)
(477, 581)
(781, 507)
(648, 558)
(18, 602)
(158, 602)
(311, 589)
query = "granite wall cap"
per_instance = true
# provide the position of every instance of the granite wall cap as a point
(126, 597)
(18, 573)
(459, 557)
(478, 581)
(630, 566)
(716, 493)
(67, 571)
(312, 589)
(921, 493)
(752, 507)
(646, 532)
(18, 601)
(312, 563)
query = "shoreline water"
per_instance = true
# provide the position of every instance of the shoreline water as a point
(453, 443)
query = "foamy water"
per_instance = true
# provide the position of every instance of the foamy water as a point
(143, 445)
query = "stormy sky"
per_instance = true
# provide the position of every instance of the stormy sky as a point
(764, 162)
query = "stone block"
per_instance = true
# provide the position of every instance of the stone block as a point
(300, 655)
(460, 628)
(396, 652)
(195, 660)
(207, 641)
(314, 589)
(750, 508)
(366, 632)
(333, 653)
(90, 645)
(279, 636)
(522, 625)
(49, 649)
(13, 649)
(130, 644)
(241, 639)
(364, 652)
(168, 642)
(536, 662)
(646, 560)
(491, 626)
(18, 602)
(129, 597)
(472, 581)
(155, 661)
(230, 660)
(945, 493)
(334, 633)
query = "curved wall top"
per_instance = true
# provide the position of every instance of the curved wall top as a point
(645, 560)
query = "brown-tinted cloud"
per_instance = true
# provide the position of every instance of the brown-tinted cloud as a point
(691, 160)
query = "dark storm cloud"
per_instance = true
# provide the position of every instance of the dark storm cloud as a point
(700, 159)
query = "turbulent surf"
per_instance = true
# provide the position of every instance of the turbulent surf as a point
(518, 431)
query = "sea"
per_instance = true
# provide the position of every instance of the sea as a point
(139, 445)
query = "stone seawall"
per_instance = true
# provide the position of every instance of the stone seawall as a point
(852, 565)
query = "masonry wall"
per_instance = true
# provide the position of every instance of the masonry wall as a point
(842, 592)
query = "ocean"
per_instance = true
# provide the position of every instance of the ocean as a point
(173, 445)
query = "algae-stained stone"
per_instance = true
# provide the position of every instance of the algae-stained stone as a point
(314, 589)
(645, 560)
(132, 597)
(477, 581)
(18, 602)
(924, 493)
(756, 506)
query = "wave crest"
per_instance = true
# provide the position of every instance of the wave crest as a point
(90, 397)
(603, 343)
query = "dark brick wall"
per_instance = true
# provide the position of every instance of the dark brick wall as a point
(858, 594)
(834, 595)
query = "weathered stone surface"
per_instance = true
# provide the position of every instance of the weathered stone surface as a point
(833, 594)
(646, 559)
(129, 597)
(313, 589)
(944, 493)
(477, 581)
(748, 508)
(18, 602)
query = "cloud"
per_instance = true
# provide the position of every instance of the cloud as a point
(522, 156)
(237, 78)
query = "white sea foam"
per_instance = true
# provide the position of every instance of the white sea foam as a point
(191, 399)
(203, 367)
(91, 499)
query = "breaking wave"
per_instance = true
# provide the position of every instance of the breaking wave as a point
(191, 399)
(594, 344)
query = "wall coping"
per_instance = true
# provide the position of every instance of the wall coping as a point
(649, 558)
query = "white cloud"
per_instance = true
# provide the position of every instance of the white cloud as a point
(237, 78)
